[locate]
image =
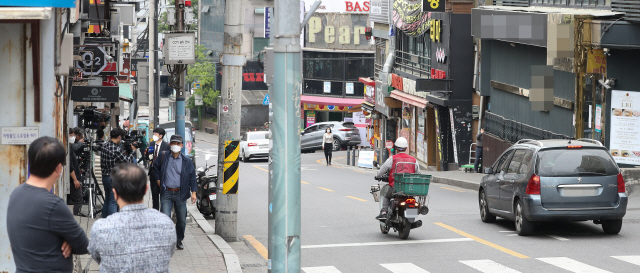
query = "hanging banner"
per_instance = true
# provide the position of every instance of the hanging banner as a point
(625, 127)
(596, 61)
(453, 136)
(311, 118)
(598, 118)
(409, 18)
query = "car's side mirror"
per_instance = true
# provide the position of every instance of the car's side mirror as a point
(375, 164)
(302, 133)
(488, 170)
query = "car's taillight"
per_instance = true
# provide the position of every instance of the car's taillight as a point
(621, 183)
(574, 147)
(252, 144)
(344, 130)
(533, 187)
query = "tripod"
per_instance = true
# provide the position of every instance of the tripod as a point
(90, 183)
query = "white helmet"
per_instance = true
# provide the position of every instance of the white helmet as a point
(401, 143)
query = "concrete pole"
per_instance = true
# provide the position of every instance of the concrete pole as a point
(153, 60)
(181, 90)
(229, 121)
(285, 153)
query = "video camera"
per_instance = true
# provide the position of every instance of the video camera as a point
(132, 139)
(90, 117)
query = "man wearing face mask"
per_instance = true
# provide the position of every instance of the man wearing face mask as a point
(42, 232)
(176, 177)
(156, 147)
(75, 188)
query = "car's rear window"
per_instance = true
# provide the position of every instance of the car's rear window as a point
(258, 136)
(171, 132)
(349, 125)
(575, 162)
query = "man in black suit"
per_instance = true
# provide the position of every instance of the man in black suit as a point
(157, 146)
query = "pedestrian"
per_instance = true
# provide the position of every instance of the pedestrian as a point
(177, 180)
(144, 143)
(158, 146)
(327, 140)
(75, 187)
(42, 231)
(136, 239)
(478, 150)
(110, 156)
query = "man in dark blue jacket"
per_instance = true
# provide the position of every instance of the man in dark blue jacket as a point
(177, 180)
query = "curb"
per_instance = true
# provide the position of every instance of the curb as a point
(230, 257)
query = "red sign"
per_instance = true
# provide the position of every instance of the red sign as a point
(109, 81)
(126, 66)
(111, 67)
(225, 108)
(389, 144)
(253, 77)
(355, 6)
(396, 82)
(438, 74)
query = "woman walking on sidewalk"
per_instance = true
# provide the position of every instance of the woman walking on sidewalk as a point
(327, 140)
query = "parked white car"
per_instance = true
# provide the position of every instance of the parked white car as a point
(254, 145)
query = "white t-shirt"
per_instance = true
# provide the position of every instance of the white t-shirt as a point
(327, 138)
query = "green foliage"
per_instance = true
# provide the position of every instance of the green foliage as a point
(162, 21)
(204, 72)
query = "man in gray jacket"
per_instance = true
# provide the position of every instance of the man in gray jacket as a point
(479, 138)
(136, 239)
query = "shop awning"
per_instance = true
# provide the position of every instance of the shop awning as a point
(331, 101)
(125, 92)
(408, 98)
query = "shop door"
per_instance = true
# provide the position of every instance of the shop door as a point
(432, 144)
(593, 108)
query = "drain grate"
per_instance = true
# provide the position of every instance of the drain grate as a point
(252, 265)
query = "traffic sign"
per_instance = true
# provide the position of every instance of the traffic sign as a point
(389, 144)
(196, 85)
(225, 108)
(265, 101)
(93, 60)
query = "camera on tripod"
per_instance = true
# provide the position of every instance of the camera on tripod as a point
(132, 139)
(89, 117)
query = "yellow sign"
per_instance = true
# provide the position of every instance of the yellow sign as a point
(596, 61)
(231, 168)
(435, 29)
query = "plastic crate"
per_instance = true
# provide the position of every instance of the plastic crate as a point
(411, 183)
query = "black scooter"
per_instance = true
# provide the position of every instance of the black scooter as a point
(207, 186)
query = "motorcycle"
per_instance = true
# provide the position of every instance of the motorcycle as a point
(405, 204)
(206, 193)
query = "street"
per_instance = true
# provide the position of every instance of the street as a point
(339, 233)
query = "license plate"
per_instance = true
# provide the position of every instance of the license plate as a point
(264, 146)
(212, 197)
(411, 213)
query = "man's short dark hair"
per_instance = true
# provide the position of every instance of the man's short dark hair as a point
(78, 132)
(100, 134)
(160, 131)
(116, 132)
(129, 181)
(45, 153)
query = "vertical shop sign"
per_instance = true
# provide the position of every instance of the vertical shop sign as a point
(453, 136)
(598, 118)
(438, 135)
(311, 118)
(625, 127)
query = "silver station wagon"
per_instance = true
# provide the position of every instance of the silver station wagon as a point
(554, 180)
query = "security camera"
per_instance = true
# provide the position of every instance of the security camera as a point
(606, 51)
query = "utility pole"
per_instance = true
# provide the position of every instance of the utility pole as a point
(284, 175)
(229, 121)
(180, 68)
(152, 21)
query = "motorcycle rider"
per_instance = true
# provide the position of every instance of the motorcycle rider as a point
(392, 166)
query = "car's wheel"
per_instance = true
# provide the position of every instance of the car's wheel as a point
(523, 226)
(245, 159)
(336, 144)
(612, 226)
(485, 215)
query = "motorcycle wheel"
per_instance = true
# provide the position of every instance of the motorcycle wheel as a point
(384, 228)
(200, 207)
(404, 230)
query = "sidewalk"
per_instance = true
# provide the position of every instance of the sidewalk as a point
(466, 180)
(200, 254)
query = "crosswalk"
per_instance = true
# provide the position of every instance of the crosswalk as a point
(489, 266)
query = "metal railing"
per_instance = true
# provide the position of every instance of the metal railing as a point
(413, 64)
(513, 131)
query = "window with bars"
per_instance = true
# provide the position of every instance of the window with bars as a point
(573, 3)
(337, 68)
(413, 54)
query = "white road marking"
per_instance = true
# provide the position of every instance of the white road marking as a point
(391, 243)
(572, 265)
(404, 268)
(321, 269)
(558, 237)
(489, 266)
(629, 259)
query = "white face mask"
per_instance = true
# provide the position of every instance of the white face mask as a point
(72, 139)
(156, 138)
(175, 148)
